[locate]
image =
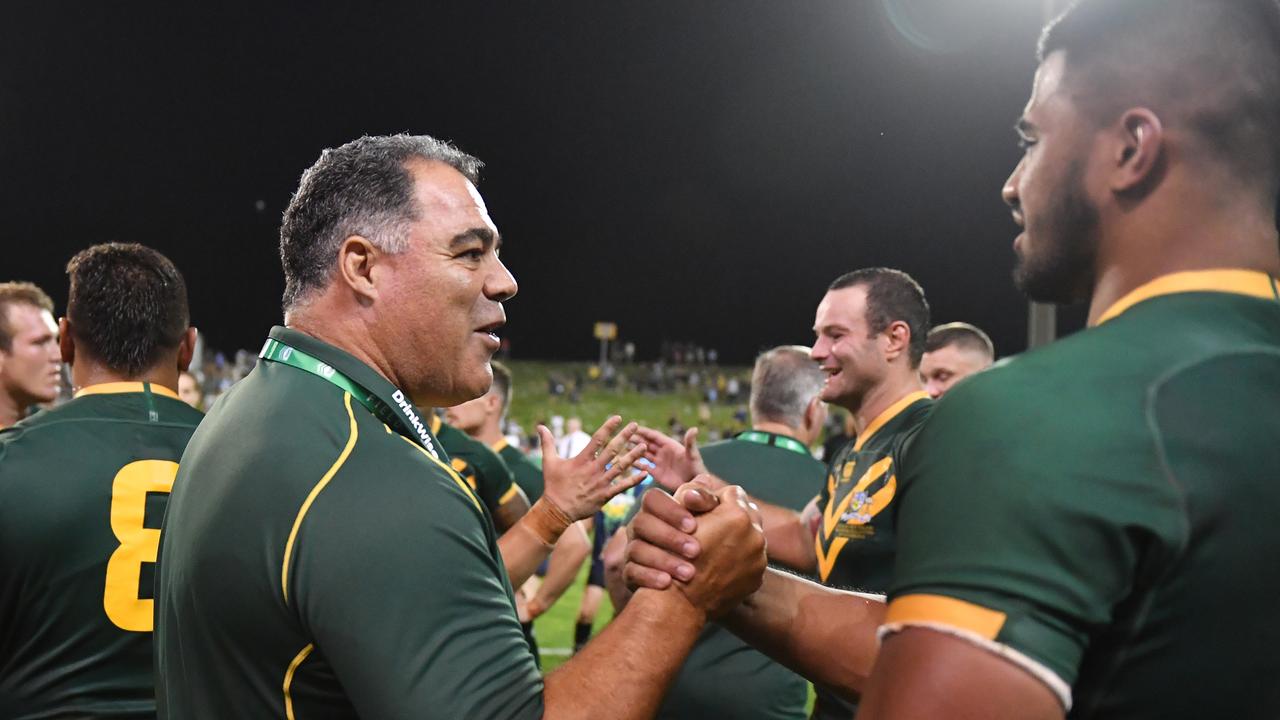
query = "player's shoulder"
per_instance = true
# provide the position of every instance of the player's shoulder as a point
(483, 458)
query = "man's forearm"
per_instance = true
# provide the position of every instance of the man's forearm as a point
(626, 670)
(828, 636)
(529, 541)
(790, 540)
(566, 560)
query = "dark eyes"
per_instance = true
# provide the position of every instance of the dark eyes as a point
(1024, 143)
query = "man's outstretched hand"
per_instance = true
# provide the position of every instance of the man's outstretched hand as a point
(715, 559)
(675, 463)
(581, 485)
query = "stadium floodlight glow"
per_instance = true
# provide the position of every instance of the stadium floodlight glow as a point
(950, 26)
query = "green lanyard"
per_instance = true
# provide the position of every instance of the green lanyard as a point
(403, 416)
(781, 441)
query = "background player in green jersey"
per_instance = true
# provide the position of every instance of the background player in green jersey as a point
(317, 540)
(82, 490)
(482, 419)
(30, 364)
(723, 676)
(485, 472)
(870, 327)
(1083, 527)
(953, 352)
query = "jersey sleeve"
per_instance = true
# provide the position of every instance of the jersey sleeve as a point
(494, 482)
(403, 590)
(1011, 536)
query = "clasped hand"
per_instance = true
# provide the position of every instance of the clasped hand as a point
(708, 543)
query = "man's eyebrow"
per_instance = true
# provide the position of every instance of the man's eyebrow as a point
(484, 235)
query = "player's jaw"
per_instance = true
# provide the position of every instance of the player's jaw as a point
(1057, 249)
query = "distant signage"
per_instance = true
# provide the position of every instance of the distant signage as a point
(606, 331)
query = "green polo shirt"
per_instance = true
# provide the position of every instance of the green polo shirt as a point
(528, 475)
(82, 489)
(1102, 511)
(724, 677)
(857, 536)
(321, 560)
(481, 467)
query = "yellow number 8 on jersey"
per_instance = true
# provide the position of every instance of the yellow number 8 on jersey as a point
(138, 544)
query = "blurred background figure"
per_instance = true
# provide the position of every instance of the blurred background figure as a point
(189, 389)
(953, 352)
(30, 364)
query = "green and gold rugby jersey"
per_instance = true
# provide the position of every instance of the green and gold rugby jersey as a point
(1103, 511)
(528, 475)
(82, 490)
(857, 538)
(724, 677)
(480, 466)
(321, 559)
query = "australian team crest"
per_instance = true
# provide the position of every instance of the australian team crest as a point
(859, 512)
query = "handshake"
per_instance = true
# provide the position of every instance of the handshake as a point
(707, 539)
(708, 544)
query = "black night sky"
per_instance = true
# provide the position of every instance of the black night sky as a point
(695, 171)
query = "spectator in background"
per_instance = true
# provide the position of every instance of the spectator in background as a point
(574, 439)
(30, 363)
(953, 352)
(189, 389)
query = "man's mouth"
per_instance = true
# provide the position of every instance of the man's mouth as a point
(490, 332)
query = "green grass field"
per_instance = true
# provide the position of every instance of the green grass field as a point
(531, 403)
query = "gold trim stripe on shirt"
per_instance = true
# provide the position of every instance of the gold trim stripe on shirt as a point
(1238, 282)
(315, 491)
(452, 473)
(943, 610)
(884, 417)
(113, 388)
(288, 679)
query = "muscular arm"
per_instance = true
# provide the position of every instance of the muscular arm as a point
(647, 642)
(570, 552)
(510, 509)
(828, 636)
(790, 535)
(645, 645)
(925, 673)
(530, 540)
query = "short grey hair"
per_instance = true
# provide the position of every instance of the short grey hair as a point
(784, 381)
(361, 188)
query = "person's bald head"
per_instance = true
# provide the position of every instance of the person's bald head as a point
(1210, 69)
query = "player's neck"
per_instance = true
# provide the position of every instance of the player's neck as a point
(345, 332)
(85, 373)
(1142, 247)
(489, 434)
(776, 428)
(883, 396)
(10, 411)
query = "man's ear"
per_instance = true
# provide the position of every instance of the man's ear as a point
(492, 403)
(357, 258)
(898, 340)
(66, 343)
(815, 415)
(1137, 158)
(186, 349)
